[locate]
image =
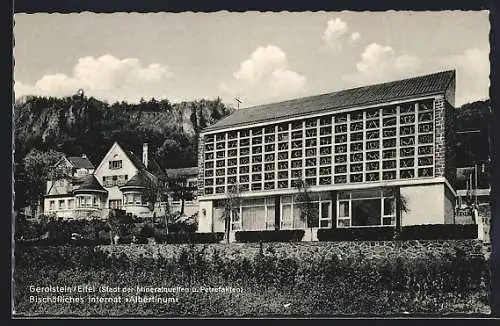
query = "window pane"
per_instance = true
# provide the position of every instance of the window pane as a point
(366, 193)
(253, 218)
(344, 209)
(389, 220)
(286, 216)
(325, 210)
(344, 223)
(389, 206)
(325, 223)
(366, 212)
(270, 218)
(298, 223)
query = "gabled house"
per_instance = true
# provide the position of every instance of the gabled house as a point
(129, 180)
(121, 181)
(59, 199)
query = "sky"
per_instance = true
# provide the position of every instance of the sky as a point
(257, 57)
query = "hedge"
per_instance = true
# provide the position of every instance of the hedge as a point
(410, 232)
(439, 232)
(352, 234)
(269, 236)
(162, 237)
(62, 242)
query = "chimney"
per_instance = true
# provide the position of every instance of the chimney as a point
(145, 154)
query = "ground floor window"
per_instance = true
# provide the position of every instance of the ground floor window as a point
(255, 214)
(71, 203)
(52, 205)
(115, 203)
(291, 212)
(133, 199)
(84, 201)
(365, 208)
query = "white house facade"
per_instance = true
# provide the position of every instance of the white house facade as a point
(120, 181)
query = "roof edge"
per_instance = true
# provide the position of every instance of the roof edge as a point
(293, 116)
(450, 72)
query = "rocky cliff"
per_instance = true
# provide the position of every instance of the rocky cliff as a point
(78, 125)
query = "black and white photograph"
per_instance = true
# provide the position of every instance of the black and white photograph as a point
(252, 164)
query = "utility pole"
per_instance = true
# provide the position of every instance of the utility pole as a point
(238, 101)
(475, 184)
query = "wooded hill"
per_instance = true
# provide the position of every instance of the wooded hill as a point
(79, 125)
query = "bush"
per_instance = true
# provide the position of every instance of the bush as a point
(269, 236)
(139, 239)
(163, 237)
(439, 232)
(146, 231)
(126, 239)
(59, 229)
(159, 235)
(352, 234)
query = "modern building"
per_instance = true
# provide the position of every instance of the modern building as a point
(350, 147)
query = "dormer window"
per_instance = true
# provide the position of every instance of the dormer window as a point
(114, 165)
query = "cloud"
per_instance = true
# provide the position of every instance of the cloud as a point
(106, 77)
(473, 69)
(264, 76)
(355, 36)
(335, 35)
(332, 36)
(380, 63)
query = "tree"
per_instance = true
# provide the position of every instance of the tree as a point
(119, 223)
(40, 167)
(231, 209)
(155, 192)
(180, 189)
(309, 211)
(401, 205)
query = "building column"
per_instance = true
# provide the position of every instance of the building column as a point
(277, 213)
(333, 196)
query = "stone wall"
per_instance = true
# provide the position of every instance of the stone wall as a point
(444, 139)
(201, 167)
(439, 136)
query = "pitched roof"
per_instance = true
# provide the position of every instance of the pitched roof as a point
(130, 154)
(175, 173)
(142, 178)
(90, 183)
(153, 166)
(373, 94)
(80, 162)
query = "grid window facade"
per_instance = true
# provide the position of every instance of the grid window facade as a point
(371, 145)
